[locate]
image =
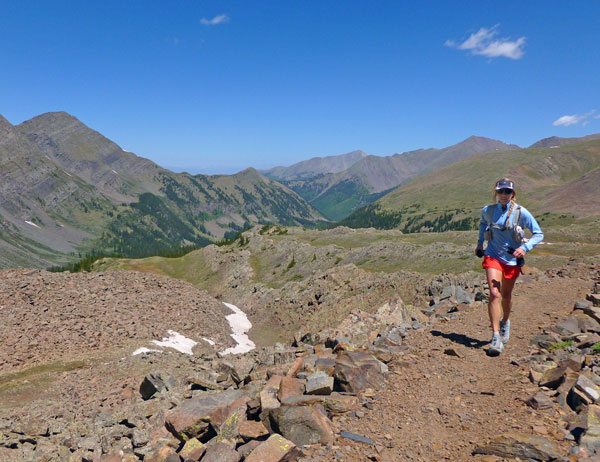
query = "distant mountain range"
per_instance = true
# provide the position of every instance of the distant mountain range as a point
(338, 185)
(559, 183)
(66, 189)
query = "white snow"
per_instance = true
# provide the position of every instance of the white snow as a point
(239, 325)
(32, 224)
(144, 350)
(177, 342)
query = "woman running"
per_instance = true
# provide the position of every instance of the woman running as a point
(502, 225)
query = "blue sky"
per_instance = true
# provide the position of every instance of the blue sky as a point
(220, 86)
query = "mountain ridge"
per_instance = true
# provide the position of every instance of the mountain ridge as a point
(67, 189)
(336, 195)
(452, 197)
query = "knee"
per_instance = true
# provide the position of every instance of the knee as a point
(495, 294)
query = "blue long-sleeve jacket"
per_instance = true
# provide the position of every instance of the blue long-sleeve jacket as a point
(502, 239)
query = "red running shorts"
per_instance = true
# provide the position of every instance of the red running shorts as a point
(508, 271)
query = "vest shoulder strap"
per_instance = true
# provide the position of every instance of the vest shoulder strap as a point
(489, 214)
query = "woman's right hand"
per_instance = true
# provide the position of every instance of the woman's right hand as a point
(479, 251)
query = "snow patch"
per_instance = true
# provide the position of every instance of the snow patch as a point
(209, 341)
(177, 342)
(32, 224)
(239, 325)
(139, 351)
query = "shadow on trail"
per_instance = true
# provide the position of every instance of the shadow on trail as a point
(460, 338)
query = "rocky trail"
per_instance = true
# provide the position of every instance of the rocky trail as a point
(402, 383)
(445, 396)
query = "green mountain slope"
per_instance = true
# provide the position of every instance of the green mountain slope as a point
(551, 182)
(67, 190)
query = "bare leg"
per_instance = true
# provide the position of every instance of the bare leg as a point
(506, 291)
(494, 278)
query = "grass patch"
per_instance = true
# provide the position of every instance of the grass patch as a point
(561, 345)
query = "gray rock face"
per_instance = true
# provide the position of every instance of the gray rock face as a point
(319, 383)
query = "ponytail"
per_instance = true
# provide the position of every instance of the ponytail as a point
(512, 205)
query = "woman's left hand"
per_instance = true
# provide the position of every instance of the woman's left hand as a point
(518, 253)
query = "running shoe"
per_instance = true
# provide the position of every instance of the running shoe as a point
(496, 345)
(505, 331)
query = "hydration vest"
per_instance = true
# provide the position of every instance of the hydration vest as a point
(517, 229)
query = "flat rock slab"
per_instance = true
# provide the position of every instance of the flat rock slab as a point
(334, 403)
(191, 419)
(303, 425)
(275, 449)
(526, 447)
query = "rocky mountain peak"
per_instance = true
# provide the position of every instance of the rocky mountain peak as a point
(483, 143)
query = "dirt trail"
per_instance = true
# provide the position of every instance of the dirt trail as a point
(440, 407)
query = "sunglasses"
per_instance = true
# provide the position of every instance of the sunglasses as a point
(505, 191)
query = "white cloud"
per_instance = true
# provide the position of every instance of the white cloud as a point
(574, 119)
(219, 19)
(483, 43)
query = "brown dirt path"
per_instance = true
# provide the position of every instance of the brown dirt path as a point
(438, 407)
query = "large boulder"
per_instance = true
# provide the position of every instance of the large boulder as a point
(302, 425)
(192, 418)
(356, 371)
